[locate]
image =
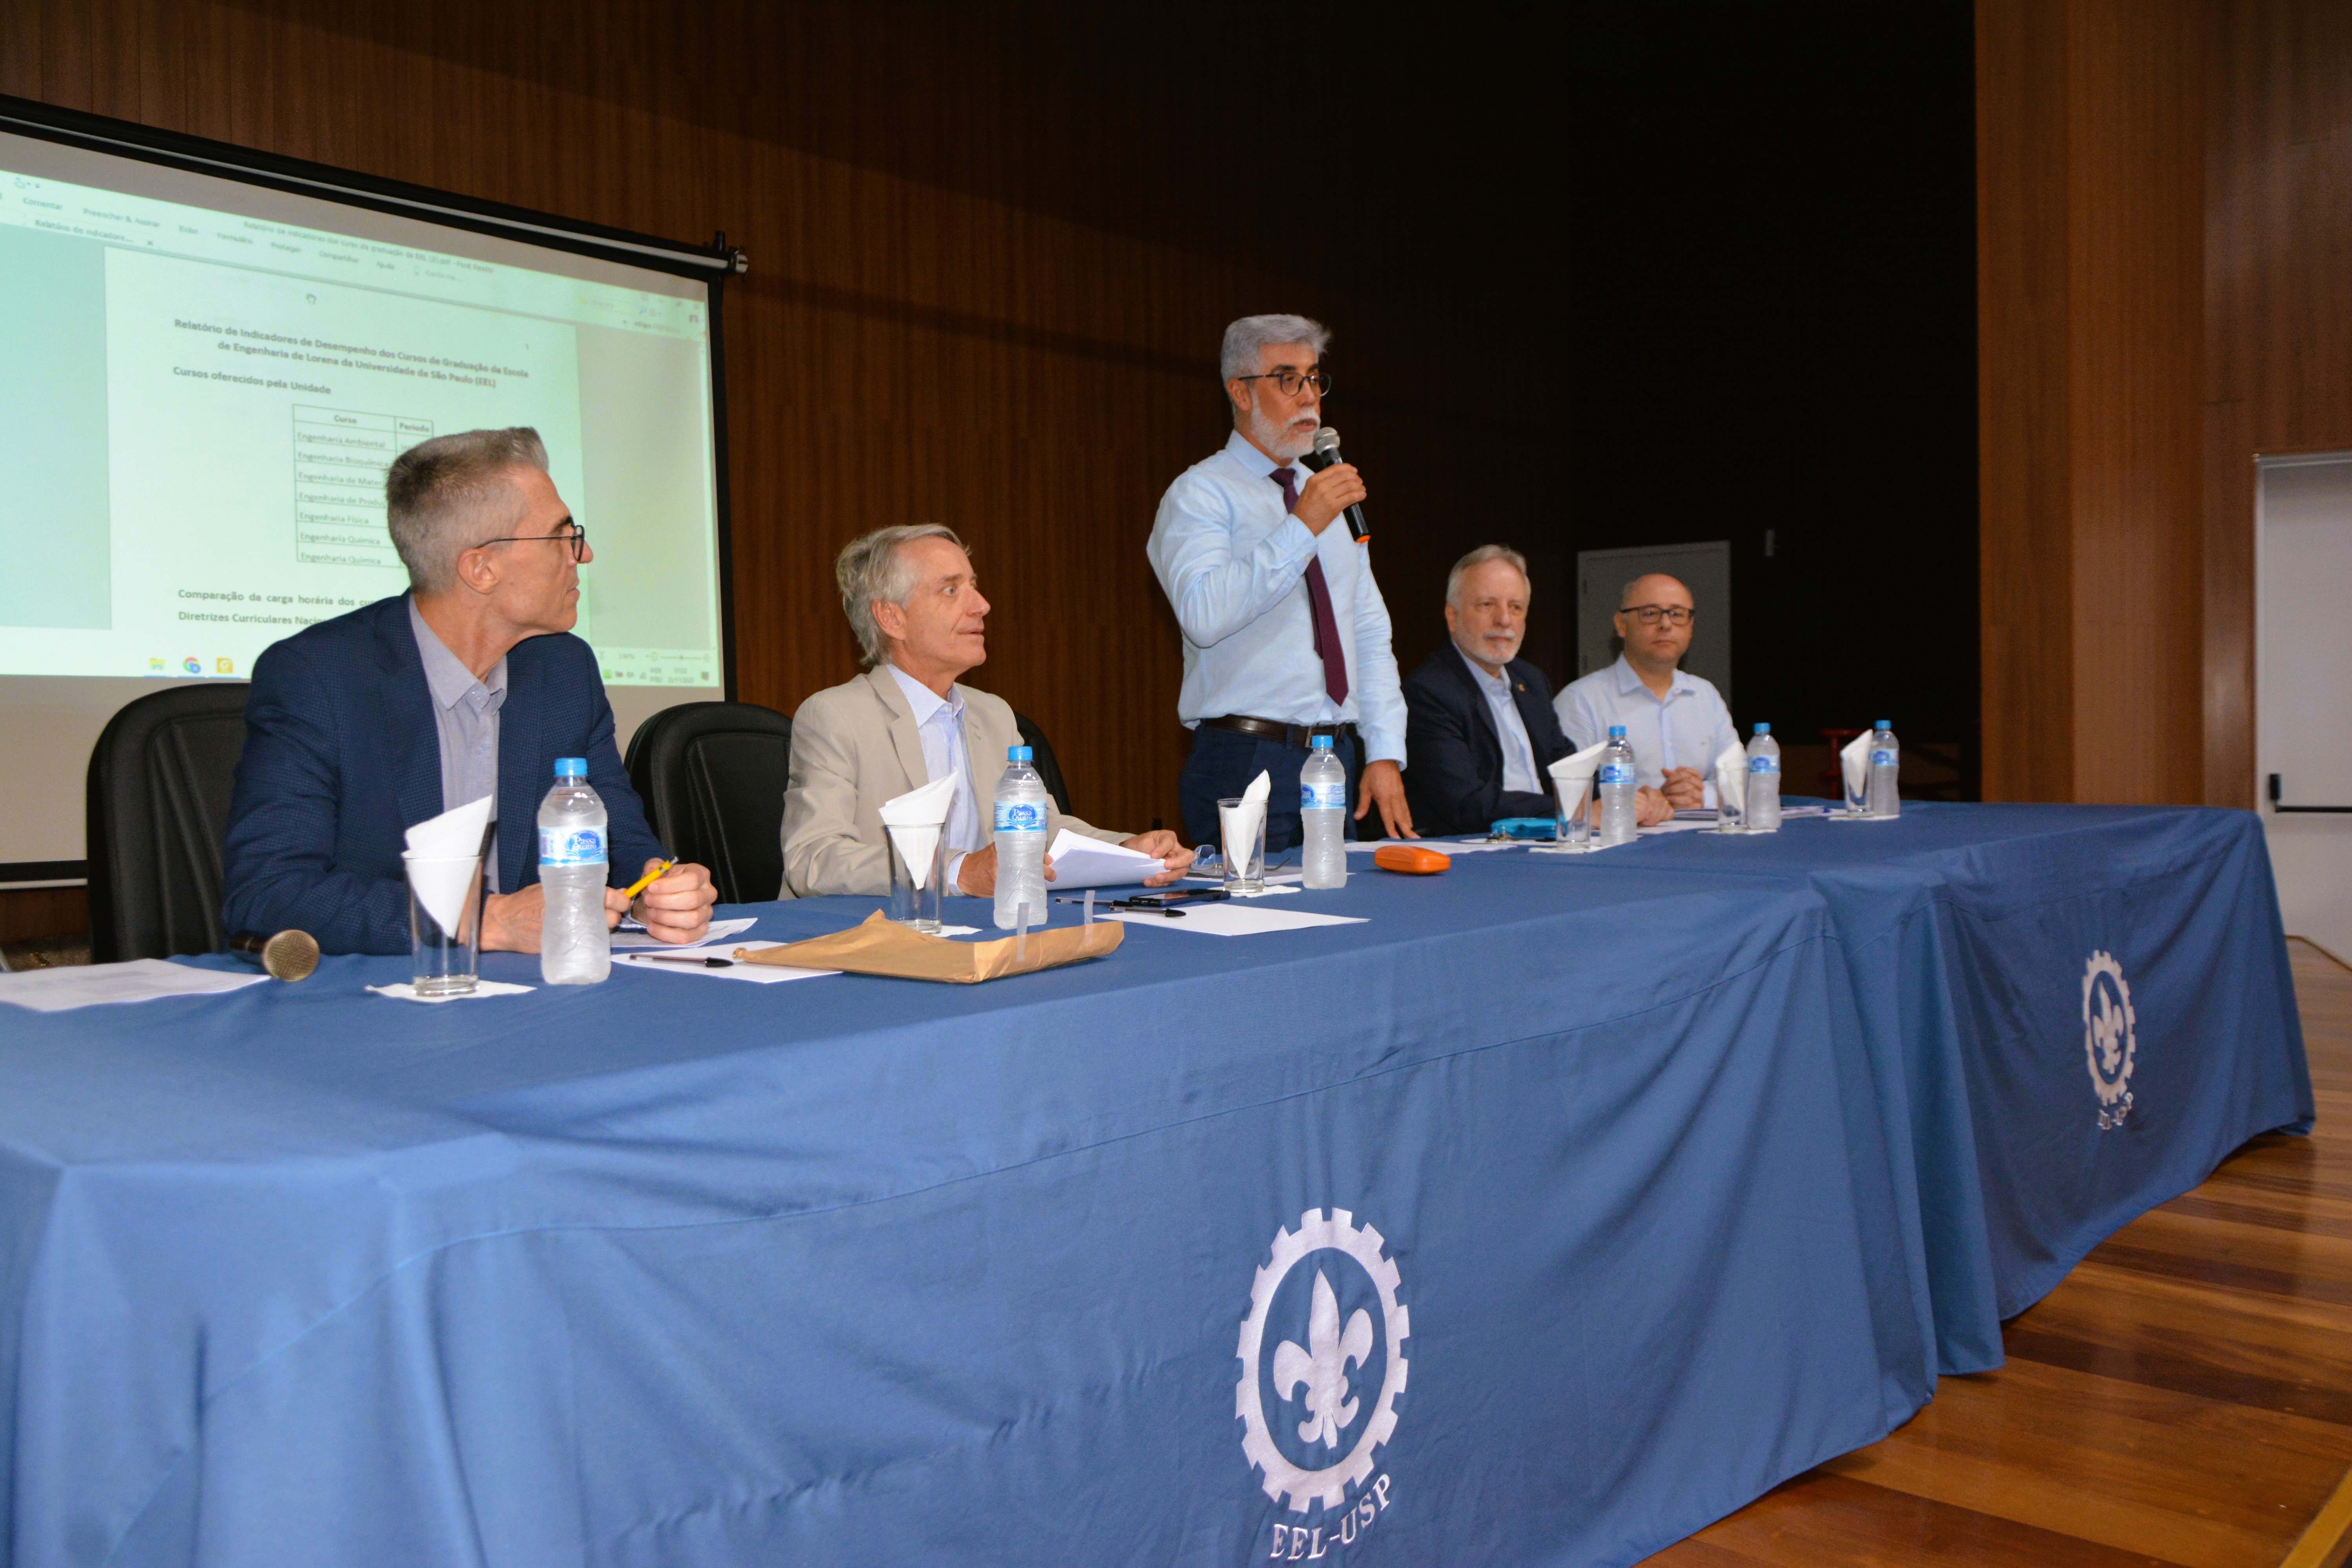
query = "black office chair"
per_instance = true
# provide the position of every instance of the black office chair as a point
(1048, 766)
(160, 781)
(711, 775)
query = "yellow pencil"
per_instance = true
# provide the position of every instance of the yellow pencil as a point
(649, 879)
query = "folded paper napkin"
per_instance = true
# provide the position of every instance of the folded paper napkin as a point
(1571, 776)
(914, 820)
(1731, 779)
(1855, 759)
(1242, 821)
(441, 855)
(881, 946)
(404, 992)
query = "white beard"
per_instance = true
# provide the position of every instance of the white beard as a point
(1277, 440)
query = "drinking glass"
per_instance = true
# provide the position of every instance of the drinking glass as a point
(444, 962)
(910, 905)
(1575, 823)
(1245, 861)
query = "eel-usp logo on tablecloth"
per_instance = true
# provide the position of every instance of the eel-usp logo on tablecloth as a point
(2107, 1036)
(1323, 1361)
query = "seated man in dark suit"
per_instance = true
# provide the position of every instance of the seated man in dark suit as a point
(1479, 725)
(468, 685)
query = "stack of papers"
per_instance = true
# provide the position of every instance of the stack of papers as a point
(1080, 862)
(633, 934)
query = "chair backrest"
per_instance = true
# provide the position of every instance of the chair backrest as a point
(1048, 766)
(711, 777)
(160, 781)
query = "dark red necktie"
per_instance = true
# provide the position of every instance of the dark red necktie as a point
(1318, 602)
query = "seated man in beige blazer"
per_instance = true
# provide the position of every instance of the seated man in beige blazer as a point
(910, 594)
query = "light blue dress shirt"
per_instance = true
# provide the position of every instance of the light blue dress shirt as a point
(1234, 564)
(465, 720)
(1519, 752)
(1688, 729)
(938, 720)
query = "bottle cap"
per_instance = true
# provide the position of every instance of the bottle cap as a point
(572, 767)
(1763, 728)
(1616, 731)
(1318, 743)
(1016, 753)
(1886, 723)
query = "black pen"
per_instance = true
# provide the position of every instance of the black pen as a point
(679, 958)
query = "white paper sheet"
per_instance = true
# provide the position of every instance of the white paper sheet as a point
(403, 991)
(1679, 825)
(757, 973)
(1224, 919)
(1443, 845)
(1080, 863)
(140, 980)
(632, 935)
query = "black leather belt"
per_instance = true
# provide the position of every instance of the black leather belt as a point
(1296, 735)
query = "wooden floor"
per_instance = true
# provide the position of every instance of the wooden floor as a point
(2184, 1400)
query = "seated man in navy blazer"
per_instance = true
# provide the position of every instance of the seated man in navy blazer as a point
(1479, 725)
(467, 685)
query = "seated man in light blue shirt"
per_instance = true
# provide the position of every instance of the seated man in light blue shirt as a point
(1676, 721)
(1285, 635)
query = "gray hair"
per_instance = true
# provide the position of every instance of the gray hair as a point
(1479, 557)
(871, 570)
(444, 497)
(1245, 337)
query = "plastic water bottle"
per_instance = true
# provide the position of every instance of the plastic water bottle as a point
(1022, 809)
(1619, 781)
(1884, 760)
(575, 946)
(1763, 782)
(1323, 810)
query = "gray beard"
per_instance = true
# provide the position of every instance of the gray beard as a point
(1277, 439)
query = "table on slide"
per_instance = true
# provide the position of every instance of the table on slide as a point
(1567, 1204)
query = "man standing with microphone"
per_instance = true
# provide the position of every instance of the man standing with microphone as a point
(1285, 635)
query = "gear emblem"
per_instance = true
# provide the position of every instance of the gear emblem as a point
(2109, 1036)
(1316, 1233)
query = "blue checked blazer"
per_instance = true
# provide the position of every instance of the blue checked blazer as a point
(341, 756)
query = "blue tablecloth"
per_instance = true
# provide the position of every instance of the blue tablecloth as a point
(1564, 1206)
(1982, 940)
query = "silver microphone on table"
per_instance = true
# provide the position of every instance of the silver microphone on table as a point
(289, 955)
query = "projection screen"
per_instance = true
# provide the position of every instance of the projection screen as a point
(202, 380)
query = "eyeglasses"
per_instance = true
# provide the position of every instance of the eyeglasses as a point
(1650, 614)
(1290, 381)
(570, 533)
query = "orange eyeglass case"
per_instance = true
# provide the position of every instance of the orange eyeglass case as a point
(1410, 858)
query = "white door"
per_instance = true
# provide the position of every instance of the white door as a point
(2303, 692)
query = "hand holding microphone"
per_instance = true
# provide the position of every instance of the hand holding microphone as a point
(1335, 487)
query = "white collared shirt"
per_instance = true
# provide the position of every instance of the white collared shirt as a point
(938, 720)
(1519, 752)
(1688, 728)
(1232, 562)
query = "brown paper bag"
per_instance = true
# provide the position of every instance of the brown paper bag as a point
(883, 946)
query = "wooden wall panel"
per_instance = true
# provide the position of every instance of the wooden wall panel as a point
(900, 352)
(2278, 310)
(2090, 171)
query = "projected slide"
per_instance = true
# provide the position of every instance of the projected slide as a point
(197, 407)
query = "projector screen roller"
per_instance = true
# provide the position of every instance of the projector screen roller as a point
(202, 381)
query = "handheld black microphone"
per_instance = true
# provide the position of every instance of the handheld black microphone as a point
(1326, 453)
